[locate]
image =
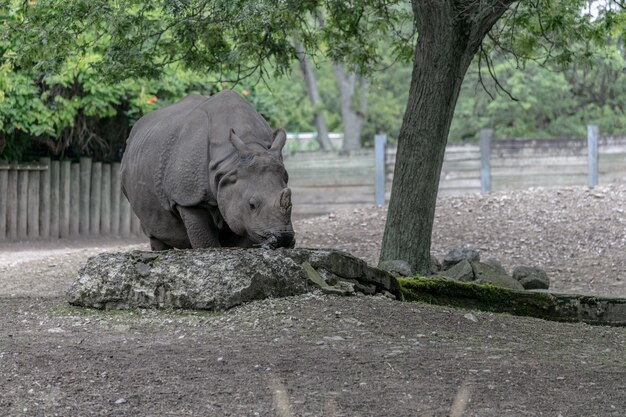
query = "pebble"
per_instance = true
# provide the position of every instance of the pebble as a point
(471, 317)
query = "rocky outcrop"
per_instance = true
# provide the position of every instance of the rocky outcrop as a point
(464, 265)
(218, 279)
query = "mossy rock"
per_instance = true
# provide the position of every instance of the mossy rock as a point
(544, 305)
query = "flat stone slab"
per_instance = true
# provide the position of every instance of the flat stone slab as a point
(534, 303)
(220, 278)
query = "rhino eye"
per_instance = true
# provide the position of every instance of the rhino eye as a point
(253, 204)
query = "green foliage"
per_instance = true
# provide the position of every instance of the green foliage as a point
(74, 76)
(549, 101)
(76, 112)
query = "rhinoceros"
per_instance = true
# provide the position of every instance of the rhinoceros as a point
(208, 172)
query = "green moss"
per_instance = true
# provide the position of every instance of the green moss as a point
(484, 297)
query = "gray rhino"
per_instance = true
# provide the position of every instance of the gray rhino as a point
(208, 172)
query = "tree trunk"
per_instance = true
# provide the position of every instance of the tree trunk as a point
(314, 95)
(449, 36)
(353, 92)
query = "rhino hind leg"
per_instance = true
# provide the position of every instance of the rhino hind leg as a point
(201, 230)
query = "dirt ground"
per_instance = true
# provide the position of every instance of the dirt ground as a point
(317, 355)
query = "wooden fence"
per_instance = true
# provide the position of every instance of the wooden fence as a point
(55, 199)
(521, 163)
(60, 199)
(324, 182)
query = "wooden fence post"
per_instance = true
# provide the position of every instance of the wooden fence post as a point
(22, 203)
(33, 204)
(96, 196)
(55, 174)
(592, 155)
(379, 154)
(75, 199)
(85, 193)
(12, 205)
(4, 195)
(44, 199)
(115, 198)
(485, 156)
(64, 200)
(105, 200)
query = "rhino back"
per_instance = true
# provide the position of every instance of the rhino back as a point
(174, 153)
(156, 144)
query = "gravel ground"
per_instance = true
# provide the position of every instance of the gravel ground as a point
(577, 234)
(317, 355)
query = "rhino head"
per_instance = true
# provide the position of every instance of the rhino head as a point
(254, 199)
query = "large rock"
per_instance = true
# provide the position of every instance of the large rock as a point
(462, 271)
(217, 279)
(488, 274)
(532, 278)
(457, 255)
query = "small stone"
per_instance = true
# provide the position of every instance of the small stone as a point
(335, 291)
(313, 276)
(389, 295)
(496, 264)
(142, 269)
(328, 277)
(120, 401)
(471, 317)
(56, 330)
(347, 287)
(531, 278)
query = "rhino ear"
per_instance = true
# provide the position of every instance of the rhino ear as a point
(238, 143)
(280, 137)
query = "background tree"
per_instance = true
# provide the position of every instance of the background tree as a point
(308, 74)
(242, 39)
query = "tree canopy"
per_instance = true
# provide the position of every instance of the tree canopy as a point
(235, 40)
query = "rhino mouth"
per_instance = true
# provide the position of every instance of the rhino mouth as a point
(284, 240)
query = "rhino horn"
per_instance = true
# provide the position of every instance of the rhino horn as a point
(238, 143)
(280, 137)
(285, 199)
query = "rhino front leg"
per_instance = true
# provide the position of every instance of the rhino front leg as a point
(201, 230)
